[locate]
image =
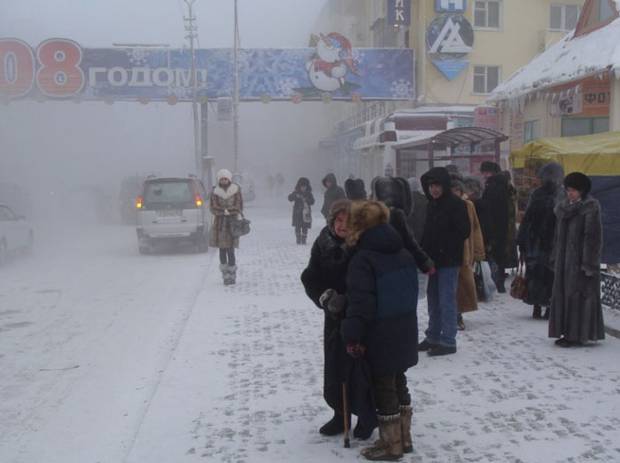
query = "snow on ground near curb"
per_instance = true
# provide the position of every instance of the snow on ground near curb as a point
(245, 384)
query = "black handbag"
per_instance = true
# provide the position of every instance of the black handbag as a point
(239, 227)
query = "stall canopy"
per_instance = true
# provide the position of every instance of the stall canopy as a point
(597, 156)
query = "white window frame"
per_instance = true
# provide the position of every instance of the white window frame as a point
(486, 77)
(486, 10)
(533, 127)
(563, 6)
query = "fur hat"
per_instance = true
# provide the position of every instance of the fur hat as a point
(456, 181)
(338, 207)
(223, 173)
(473, 187)
(393, 192)
(303, 181)
(551, 173)
(579, 182)
(489, 166)
(355, 189)
(363, 216)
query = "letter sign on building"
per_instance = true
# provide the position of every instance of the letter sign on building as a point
(399, 12)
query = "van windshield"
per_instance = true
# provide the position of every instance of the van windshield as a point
(167, 193)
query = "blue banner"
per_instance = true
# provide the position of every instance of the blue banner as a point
(61, 69)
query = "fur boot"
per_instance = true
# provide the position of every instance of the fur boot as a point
(389, 447)
(406, 413)
(232, 274)
(224, 270)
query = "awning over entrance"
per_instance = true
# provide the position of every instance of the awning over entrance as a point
(472, 137)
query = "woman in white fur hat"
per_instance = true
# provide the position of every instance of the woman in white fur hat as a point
(226, 204)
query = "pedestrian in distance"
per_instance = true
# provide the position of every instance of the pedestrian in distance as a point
(355, 189)
(332, 194)
(496, 225)
(302, 200)
(446, 229)
(381, 321)
(473, 251)
(324, 280)
(536, 235)
(576, 314)
(226, 205)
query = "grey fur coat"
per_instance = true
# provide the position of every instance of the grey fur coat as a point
(576, 311)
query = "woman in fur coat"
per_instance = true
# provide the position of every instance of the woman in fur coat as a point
(535, 238)
(576, 313)
(466, 297)
(302, 200)
(226, 204)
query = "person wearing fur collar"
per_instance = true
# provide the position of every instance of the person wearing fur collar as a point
(226, 204)
(576, 314)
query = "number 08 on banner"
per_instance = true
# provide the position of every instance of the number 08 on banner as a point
(55, 71)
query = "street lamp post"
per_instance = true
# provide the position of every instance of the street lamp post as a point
(236, 93)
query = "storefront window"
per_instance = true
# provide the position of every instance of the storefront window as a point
(575, 126)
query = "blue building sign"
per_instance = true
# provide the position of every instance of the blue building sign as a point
(450, 6)
(399, 12)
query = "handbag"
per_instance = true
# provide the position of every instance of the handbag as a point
(239, 226)
(518, 287)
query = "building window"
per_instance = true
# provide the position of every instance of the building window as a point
(575, 126)
(605, 10)
(487, 14)
(530, 131)
(486, 78)
(563, 17)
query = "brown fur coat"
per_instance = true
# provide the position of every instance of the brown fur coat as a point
(466, 297)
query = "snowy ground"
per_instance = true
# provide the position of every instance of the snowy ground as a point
(109, 357)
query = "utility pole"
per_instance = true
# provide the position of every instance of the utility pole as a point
(236, 93)
(192, 34)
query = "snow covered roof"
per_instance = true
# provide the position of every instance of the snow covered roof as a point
(568, 60)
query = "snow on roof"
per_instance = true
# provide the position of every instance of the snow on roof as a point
(568, 60)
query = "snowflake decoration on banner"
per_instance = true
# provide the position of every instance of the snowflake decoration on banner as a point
(358, 56)
(401, 89)
(183, 93)
(287, 86)
(137, 56)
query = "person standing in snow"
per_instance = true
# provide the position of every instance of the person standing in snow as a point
(324, 280)
(576, 314)
(302, 200)
(226, 204)
(381, 321)
(473, 251)
(332, 194)
(535, 238)
(446, 229)
(496, 227)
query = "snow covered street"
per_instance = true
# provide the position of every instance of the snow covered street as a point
(112, 357)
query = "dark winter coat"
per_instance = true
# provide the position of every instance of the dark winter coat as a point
(447, 222)
(535, 240)
(417, 218)
(332, 194)
(355, 189)
(303, 200)
(494, 212)
(327, 269)
(382, 301)
(576, 311)
(399, 222)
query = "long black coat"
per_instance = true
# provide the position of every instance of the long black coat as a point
(398, 220)
(535, 240)
(383, 296)
(417, 218)
(332, 194)
(447, 222)
(576, 311)
(298, 198)
(495, 208)
(327, 269)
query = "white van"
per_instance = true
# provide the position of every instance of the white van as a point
(172, 209)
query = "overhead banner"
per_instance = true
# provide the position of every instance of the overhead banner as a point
(62, 69)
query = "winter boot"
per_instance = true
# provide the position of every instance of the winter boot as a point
(389, 447)
(224, 270)
(298, 237)
(334, 426)
(406, 413)
(460, 323)
(304, 238)
(232, 274)
(537, 313)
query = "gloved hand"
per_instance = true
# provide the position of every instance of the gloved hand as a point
(333, 302)
(355, 350)
(432, 271)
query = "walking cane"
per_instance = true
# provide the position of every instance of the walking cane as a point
(345, 409)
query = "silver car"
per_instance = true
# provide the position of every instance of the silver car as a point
(173, 210)
(16, 234)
